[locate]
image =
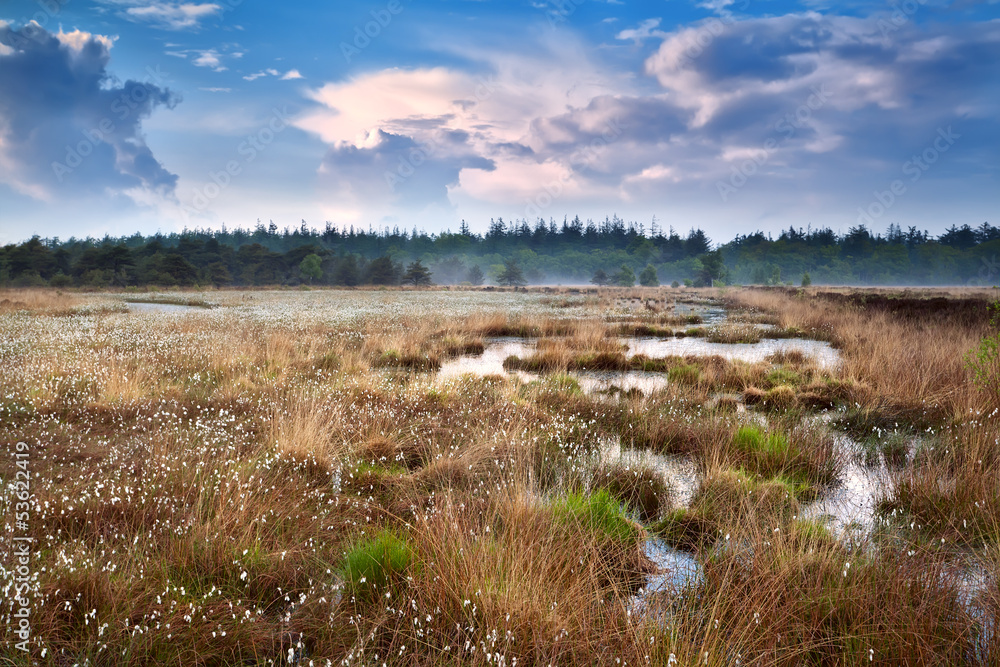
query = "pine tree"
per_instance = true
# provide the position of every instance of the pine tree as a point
(600, 278)
(511, 276)
(417, 274)
(475, 275)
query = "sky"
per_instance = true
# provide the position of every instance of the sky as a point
(124, 116)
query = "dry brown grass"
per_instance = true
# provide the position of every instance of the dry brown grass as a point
(917, 367)
(213, 475)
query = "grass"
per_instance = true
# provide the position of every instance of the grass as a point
(639, 487)
(376, 566)
(213, 489)
(599, 513)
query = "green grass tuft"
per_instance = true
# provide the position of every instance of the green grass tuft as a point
(375, 566)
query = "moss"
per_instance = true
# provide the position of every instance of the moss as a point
(783, 376)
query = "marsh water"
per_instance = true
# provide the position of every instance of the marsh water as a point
(490, 361)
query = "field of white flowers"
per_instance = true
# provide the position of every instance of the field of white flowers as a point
(487, 477)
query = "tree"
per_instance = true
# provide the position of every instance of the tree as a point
(712, 268)
(648, 277)
(600, 278)
(346, 271)
(806, 280)
(311, 267)
(381, 271)
(625, 277)
(475, 275)
(511, 275)
(417, 275)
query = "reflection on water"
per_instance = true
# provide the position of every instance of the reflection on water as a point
(852, 501)
(676, 568)
(820, 351)
(594, 381)
(490, 362)
(678, 471)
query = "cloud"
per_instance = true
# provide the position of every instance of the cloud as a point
(813, 102)
(68, 127)
(645, 30)
(477, 121)
(290, 74)
(393, 168)
(164, 14)
(209, 58)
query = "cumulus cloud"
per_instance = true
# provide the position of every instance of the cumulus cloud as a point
(807, 98)
(398, 169)
(67, 126)
(477, 123)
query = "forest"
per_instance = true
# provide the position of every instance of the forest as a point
(611, 251)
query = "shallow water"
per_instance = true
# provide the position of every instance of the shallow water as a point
(145, 307)
(819, 351)
(852, 501)
(677, 569)
(678, 471)
(490, 362)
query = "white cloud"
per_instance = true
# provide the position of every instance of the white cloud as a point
(645, 30)
(166, 14)
(210, 58)
(270, 71)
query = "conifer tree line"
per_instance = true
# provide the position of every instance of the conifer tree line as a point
(515, 253)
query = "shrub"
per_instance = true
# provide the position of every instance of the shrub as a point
(984, 361)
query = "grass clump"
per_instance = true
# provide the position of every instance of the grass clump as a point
(417, 361)
(599, 513)
(806, 600)
(729, 497)
(375, 566)
(687, 529)
(684, 374)
(805, 458)
(734, 332)
(639, 487)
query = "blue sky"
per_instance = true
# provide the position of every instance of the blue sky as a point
(119, 116)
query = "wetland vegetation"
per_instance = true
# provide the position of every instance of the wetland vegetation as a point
(609, 476)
